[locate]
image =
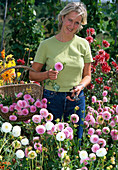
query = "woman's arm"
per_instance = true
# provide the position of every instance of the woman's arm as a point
(40, 76)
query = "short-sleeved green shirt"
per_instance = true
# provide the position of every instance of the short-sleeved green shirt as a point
(74, 53)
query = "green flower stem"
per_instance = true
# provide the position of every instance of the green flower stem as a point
(32, 165)
(91, 165)
(3, 144)
(42, 156)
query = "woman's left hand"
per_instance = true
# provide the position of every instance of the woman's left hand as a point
(75, 92)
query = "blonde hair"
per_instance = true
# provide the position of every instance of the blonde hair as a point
(78, 7)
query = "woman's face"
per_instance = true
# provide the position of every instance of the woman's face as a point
(71, 23)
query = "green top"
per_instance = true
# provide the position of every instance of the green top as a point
(74, 53)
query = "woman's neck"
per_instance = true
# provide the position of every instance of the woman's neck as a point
(61, 37)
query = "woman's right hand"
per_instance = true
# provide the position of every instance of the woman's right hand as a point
(52, 74)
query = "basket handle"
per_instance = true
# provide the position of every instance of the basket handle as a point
(21, 66)
(18, 66)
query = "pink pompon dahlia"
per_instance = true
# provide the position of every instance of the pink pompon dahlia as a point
(44, 112)
(40, 129)
(37, 118)
(33, 109)
(94, 138)
(12, 117)
(95, 147)
(38, 104)
(58, 66)
(27, 97)
(91, 131)
(74, 118)
(106, 115)
(5, 109)
(102, 142)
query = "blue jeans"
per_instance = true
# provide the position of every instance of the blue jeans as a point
(59, 106)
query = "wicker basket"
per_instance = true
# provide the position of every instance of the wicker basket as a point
(34, 89)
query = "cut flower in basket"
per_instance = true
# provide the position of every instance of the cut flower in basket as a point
(20, 108)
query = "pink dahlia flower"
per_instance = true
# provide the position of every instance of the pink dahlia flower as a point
(36, 139)
(44, 101)
(1, 106)
(95, 147)
(49, 117)
(105, 130)
(11, 108)
(27, 97)
(69, 129)
(93, 99)
(94, 138)
(112, 123)
(104, 93)
(105, 99)
(67, 133)
(102, 142)
(38, 104)
(86, 124)
(37, 118)
(19, 95)
(27, 121)
(60, 126)
(58, 66)
(106, 115)
(38, 147)
(91, 131)
(12, 117)
(60, 150)
(74, 118)
(40, 129)
(25, 112)
(92, 156)
(98, 132)
(44, 112)
(5, 109)
(33, 109)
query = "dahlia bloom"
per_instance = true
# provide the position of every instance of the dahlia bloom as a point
(91, 131)
(74, 118)
(93, 99)
(102, 142)
(58, 66)
(40, 129)
(105, 130)
(44, 112)
(20, 154)
(92, 156)
(6, 127)
(25, 141)
(106, 115)
(60, 136)
(60, 126)
(83, 154)
(95, 147)
(101, 152)
(32, 154)
(37, 118)
(94, 138)
(49, 125)
(12, 117)
(104, 93)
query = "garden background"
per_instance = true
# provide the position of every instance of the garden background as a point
(23, 25)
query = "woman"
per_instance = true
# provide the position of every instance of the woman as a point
(66, 47)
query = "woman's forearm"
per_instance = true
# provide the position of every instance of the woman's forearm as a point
(38, 76)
